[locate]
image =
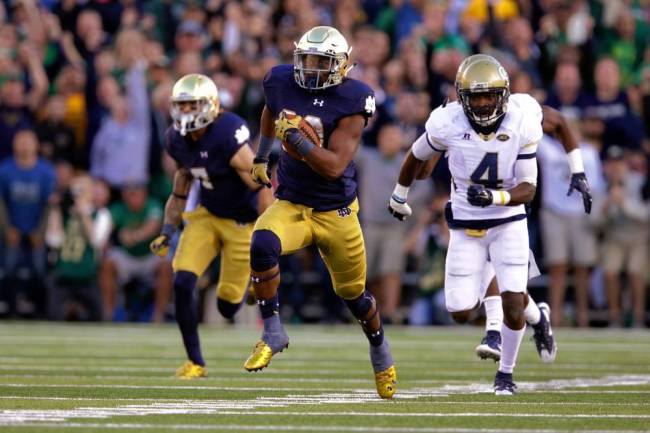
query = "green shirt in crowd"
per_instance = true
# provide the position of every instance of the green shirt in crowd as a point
(125, 218)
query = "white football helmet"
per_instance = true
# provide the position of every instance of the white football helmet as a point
(199, 90)
(321, 58)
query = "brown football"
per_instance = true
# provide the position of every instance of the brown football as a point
(308, 131)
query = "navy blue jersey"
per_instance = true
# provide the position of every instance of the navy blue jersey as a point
(298, 183)
(223, 193)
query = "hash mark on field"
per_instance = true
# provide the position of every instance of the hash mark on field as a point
(245, 407)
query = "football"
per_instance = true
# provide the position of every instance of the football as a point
(308, 131)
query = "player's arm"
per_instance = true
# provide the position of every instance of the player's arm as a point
(342, 144)
(418, 164)
(523, 193)
(242, 162)
(173, 211)
(555, 124)
(260, 172)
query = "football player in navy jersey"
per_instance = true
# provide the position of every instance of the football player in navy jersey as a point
(213, 147)
(317, 193)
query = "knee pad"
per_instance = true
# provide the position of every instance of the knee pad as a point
(265, 250)
(361, 306)
(184, 283)
(227, 309)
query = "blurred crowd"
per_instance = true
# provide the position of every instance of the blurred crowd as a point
(84, 103)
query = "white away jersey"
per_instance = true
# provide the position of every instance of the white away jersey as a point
(473, 160)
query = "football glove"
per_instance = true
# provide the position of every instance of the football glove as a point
(286, 123)
(160, 245)
(579, 182)
(398, 208)
(477, 195)
(261, 173)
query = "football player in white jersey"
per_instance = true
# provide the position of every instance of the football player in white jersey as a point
(537, 315)
(490, 138)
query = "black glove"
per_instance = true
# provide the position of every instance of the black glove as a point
(477, 195)
(579, 182)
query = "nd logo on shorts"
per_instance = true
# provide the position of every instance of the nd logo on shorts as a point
(344, 211)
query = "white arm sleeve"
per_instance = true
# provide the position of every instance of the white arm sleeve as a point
(423, 149)
(526, 171)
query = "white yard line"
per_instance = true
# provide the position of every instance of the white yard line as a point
(250, 406)
(329, 428)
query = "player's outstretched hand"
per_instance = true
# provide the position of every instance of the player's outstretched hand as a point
(477, 195)
(399, 208)
(285, 123)
(160, 245)
(579, 182)
(261, 173)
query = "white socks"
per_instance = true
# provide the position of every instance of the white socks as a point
(510, 341)
(532, 312)
(493, 313)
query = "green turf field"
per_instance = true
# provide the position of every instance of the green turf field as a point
(95, 378)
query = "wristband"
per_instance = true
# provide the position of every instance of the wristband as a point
(401, 191)
(180, 196)
(168, 230)
(575, 161)
(264, 149)
(500, 198)
(302, 144)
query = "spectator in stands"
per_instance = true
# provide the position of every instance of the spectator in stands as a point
(624, 218)
(56, 138)
(384, 236)
(568, 237)
(26, 183)
(136, 221)
(428, 242)
(18, 105)
(78, 230)
(567, 95)
(610, 103)
(120, 151)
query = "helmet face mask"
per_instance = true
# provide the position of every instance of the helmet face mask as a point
(320, 59)
(194, 103)
(483, 89)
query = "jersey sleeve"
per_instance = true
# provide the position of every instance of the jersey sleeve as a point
(531, 127)
(365, 102)
(270, 86)
(169, 144)
(435, 128)
(238, 136)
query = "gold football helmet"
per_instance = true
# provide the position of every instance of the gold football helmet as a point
(321, 58)
(483, 88)
(194, 103)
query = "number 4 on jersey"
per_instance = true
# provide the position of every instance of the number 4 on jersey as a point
(487, 173)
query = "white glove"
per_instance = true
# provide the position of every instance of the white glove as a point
(398, 208)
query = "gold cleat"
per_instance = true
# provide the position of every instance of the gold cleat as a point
(190, 370)
(386, 382)
(261, 356)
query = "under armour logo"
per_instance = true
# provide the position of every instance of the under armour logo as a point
(204, 154)
(319, 102)
(466, 136)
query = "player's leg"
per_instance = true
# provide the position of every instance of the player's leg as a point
(490, 346)
(509, 254)
(234, 276)
(464, 267)
(340, 242)
(197, 247)
(283, 228)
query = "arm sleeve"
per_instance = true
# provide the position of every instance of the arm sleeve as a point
(526, 171)
(423, 149)
(365, 104)
(531, 129)
(239, 135)
(269, 96)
